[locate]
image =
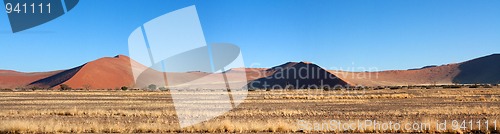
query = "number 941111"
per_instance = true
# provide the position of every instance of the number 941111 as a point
(27, 8)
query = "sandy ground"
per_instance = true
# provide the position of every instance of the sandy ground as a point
(262, 111)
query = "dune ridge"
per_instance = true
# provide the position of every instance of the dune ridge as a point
(118, 71)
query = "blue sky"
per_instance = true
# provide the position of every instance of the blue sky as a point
(347, 35)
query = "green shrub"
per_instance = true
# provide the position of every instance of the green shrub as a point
(395, 87)
(164, 89)
(474, 86)
(64, 87)
(152, 87)
(452, 86)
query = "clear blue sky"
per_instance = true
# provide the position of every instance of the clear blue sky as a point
(386, 34)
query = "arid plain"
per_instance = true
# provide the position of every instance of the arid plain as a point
(262, 111)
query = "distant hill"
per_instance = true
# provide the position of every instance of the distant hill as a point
(424, 67)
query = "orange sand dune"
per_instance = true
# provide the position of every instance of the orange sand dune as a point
(104, 73)
(297, 75)
(483, 70)
(427, 76)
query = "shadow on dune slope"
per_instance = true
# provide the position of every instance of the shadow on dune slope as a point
(484, 70)
(56, 79)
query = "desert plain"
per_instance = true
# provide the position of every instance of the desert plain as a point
(285, 111)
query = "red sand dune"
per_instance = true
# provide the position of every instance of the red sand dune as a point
(251, 73)
(427, 76)
(483, 70)
(235, 77)
(297, 75)
(104, 73)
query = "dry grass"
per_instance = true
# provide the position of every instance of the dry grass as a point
(480, 99)
(326, 97)
(218, 126)
(272, 111)
(87, 112)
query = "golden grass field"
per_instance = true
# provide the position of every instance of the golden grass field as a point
(262, 111)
